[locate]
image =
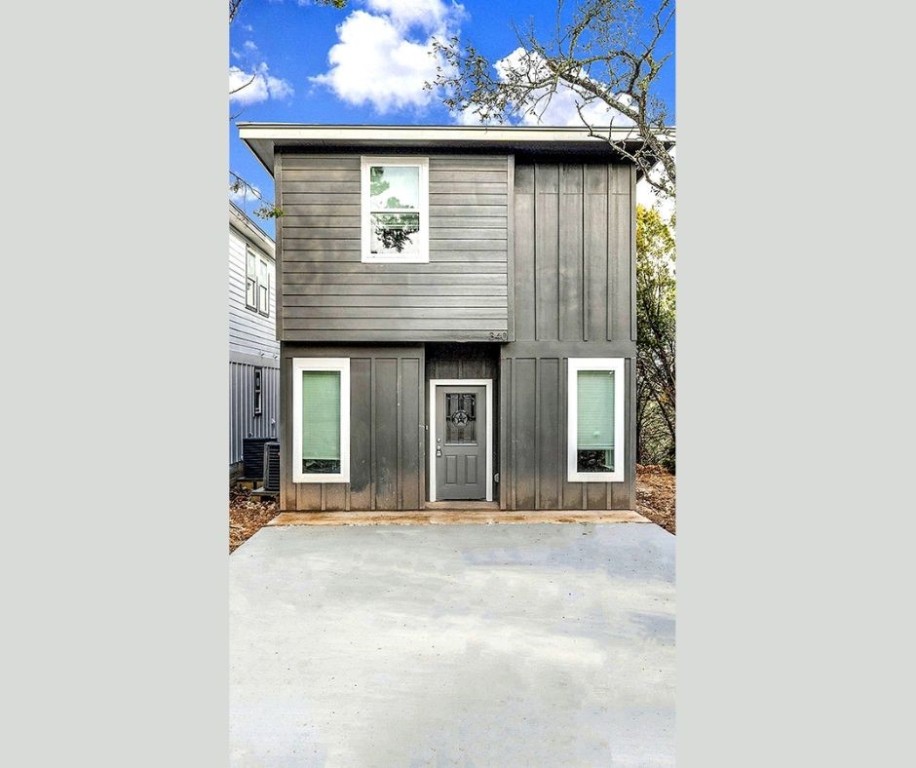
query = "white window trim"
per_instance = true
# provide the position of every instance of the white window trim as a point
(433, 383)
(249, 253)
(414, 162)
(617, 365)
(342, 365)
(259, 261)
(265, 311)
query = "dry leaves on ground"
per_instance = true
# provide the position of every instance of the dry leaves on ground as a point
(655, 495)
(247, 515)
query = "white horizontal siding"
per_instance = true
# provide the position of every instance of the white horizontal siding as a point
(249, 331)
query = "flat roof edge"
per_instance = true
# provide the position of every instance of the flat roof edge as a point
(435, 134)
(265, 138)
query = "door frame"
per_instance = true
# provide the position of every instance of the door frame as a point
(433, 383)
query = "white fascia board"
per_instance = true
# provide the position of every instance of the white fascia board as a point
(263, 138)
(435, 135)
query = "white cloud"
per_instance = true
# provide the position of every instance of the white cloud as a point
(381, 60)
(647, 196)
(249, 47)
(431, 15)
(244, 195)
(560, 108)
(256, 86)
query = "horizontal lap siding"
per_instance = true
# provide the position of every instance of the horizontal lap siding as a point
(249, 331)
(328, 294)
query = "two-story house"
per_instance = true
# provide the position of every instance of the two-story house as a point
(254, 352)
(456, 317)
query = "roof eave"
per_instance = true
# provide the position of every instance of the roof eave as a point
(264, 138)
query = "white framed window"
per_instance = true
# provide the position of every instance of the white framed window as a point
(595, 396)
(395, 209)
(263, 287)
(258, 373)
(321, 420)
(257, 283)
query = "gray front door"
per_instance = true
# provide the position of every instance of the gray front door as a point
(461, 442)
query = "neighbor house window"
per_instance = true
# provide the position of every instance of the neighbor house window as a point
(321, 420)
(395, 209)
(595, 450)
(257, 283)
(258, 372)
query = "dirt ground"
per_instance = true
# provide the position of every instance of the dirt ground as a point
(655, 499)
(656, 496)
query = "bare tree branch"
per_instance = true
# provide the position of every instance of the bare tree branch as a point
(609, 53)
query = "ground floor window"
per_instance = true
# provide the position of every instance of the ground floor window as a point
(321, 420)
(595, 450)
(257, 391)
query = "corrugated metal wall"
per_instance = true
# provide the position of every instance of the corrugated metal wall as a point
(242, 420)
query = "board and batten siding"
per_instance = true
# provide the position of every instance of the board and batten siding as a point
(387, 432)
(575, 261)
(533, 403)
(574, 292)
(328, 294)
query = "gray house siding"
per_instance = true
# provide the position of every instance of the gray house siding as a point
(533, 397)
(531, 265)
(328, 294)
(252, 342)
(575, 268)
(387, 440)
(574, 283)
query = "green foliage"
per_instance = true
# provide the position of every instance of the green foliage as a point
(268, 211)
(377, 183)
(656, 289)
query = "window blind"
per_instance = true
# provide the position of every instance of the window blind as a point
(320, 414)
(596, 410)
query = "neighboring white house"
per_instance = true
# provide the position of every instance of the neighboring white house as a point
(254, 352)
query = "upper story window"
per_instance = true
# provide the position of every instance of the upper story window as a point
(257, 283)
(395, 209)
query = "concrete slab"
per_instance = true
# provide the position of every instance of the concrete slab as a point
(459, 517)
(453, 645)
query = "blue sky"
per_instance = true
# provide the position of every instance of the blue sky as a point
(365, 64)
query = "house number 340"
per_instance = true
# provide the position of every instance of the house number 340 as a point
(499, 335)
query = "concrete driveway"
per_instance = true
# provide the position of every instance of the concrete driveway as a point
(453, 645)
